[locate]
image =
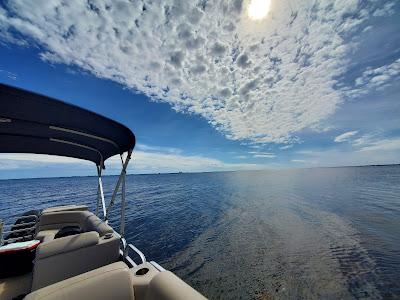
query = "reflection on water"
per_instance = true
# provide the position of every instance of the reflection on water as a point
(304, 234)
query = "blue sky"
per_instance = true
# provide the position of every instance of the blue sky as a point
(205, 87)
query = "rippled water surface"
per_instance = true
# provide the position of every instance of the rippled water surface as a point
(304, 234)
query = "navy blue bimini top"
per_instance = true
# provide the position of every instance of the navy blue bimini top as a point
(32, 123)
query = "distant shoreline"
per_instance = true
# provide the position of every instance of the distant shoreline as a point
(206, 172)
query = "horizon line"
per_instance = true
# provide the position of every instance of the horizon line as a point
(205, 172)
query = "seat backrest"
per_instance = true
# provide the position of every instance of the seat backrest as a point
(70, 256)
(86, 220)
(72, 207)
(109, 282)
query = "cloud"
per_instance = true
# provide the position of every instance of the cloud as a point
(375, 142)
(20, 161)
(386, 10)
(369, 149)
(345, 136)
(365, 140)
(165, 162)
(148, 148)
(299, 161)
(375, 79)
(383, 152)
(259, 81)
(286, 147)
(41, 158)
(143, 162)
(257, 154)
(9, 75)
(264, 156)
(383, 145)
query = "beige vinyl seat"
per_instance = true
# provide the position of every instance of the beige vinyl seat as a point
(49, 234)
(51, 221)
(109, 282)
(65, 257)
(117, 281)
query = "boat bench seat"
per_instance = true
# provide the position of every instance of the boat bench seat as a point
(51, 222)
(72, 255)
(117, 281)
(67, 244)
(109, 282)
(65, 257)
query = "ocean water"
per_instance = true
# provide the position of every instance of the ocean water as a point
(329, 233)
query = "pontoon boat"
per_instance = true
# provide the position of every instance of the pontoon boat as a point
(68, 252)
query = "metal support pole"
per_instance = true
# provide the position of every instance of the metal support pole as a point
(122, 222)
(121, 176)
(101, 193)
(98, 196)
(1, 232)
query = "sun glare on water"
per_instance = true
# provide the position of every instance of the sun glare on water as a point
(258, 9)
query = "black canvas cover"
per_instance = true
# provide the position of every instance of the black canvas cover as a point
(32, 123)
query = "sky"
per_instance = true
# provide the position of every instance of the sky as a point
(211, 85)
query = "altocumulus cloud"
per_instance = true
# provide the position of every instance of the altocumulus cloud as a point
(345, 136)
(257, 81)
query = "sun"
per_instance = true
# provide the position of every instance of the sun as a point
(258, 9)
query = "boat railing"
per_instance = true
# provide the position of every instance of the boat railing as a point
(23, 229)
(125, 253)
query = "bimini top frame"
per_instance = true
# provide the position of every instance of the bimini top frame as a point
(33, 123)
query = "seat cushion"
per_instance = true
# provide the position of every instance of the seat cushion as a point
(67, 244)
(113, 281)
